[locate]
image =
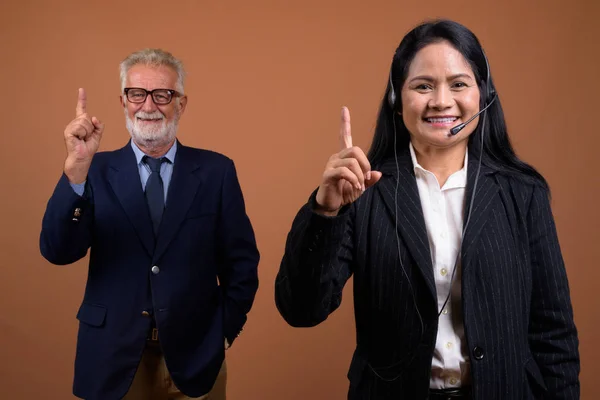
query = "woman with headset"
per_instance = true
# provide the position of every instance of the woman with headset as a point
(460, 290)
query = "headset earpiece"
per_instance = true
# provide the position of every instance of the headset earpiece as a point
(392, 92)
(392, 97)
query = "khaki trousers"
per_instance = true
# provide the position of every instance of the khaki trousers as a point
(152, 380)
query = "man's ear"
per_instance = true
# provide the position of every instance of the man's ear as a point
(182, 104)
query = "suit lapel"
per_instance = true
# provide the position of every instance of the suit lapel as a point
(124, 178)
(411, 223)
(487, 188)
(182, 190)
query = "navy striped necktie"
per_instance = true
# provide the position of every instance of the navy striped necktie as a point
(155, 193)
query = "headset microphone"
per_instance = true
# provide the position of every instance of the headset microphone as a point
(460, 127)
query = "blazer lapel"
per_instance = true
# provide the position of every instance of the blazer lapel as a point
(182, 190)
(482, 205)
(411, 223)
(124, 178)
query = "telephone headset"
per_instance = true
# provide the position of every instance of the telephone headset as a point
(491, 96)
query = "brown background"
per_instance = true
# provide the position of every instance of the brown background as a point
(266, 83)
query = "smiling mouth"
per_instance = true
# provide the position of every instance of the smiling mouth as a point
(441, 120)
(149, 119)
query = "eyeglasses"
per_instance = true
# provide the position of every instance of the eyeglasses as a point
(159, 96)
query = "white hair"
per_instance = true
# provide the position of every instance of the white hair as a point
(155, 58)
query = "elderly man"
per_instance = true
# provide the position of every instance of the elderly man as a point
(173, 257)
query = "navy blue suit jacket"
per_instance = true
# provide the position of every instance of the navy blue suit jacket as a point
(206, 256)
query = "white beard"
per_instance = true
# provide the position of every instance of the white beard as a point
(151, 136)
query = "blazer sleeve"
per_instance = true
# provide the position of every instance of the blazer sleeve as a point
(552, 333)
(315, 267)
(239, 256)
(67, 224)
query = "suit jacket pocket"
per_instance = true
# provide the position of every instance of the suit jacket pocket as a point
(92, 314)
(535, 378)
(356, 371)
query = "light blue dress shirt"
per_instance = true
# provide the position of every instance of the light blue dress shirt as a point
(166, 169)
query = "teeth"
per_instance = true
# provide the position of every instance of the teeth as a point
(441, 120)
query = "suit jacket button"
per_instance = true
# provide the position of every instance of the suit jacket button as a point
(155, 270)
(145, 313)
(77, 212)
(478, 353)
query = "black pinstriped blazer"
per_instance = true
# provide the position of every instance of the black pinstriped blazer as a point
(522, 341)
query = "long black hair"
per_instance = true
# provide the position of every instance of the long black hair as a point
(498, 152)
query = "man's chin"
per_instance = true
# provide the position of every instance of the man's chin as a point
(151, 141)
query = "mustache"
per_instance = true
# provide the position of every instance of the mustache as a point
(153, 115)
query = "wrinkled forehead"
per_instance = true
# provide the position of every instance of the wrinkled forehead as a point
(151, 77)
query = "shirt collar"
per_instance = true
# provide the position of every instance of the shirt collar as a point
(139, 154)
(456, 180)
